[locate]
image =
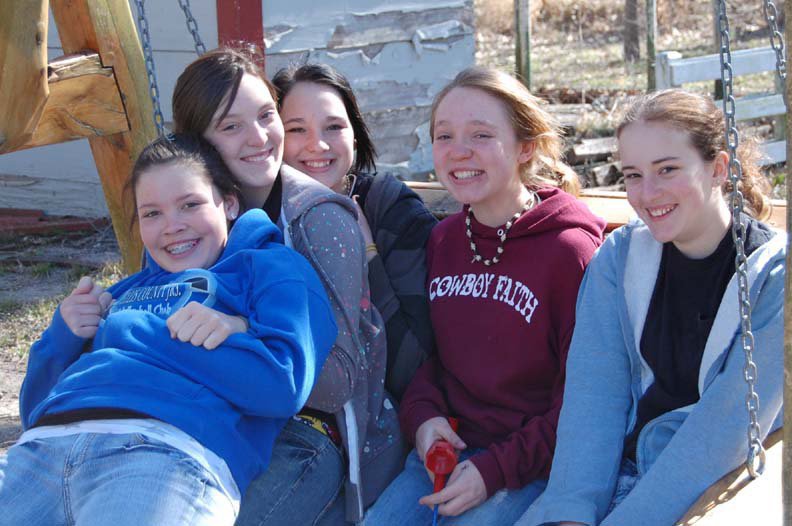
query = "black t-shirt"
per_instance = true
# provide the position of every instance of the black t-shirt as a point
(272, 206)
(685, 301)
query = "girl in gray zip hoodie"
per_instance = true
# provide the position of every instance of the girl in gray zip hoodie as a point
(225, 96)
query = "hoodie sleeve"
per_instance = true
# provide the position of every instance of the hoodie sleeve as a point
(335, 246)
(712, 440)
(397, 276)
(52, 354)
(270, 370)
(597, 399)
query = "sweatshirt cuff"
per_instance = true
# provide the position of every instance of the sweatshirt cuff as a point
(66, 337)
(418, 414)
(490, 471)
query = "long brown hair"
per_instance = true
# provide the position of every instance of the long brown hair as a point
(702, 120)
(530, 122)
(209, 81)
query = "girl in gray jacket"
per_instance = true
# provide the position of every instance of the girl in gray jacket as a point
(348, 426)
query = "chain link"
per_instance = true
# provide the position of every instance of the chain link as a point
(192, 27)
(756, 453)
(151, 72)
(776, 38)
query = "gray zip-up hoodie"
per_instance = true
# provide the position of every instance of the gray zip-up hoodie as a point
(322, 226)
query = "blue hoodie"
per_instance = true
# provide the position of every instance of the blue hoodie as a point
(234, 399)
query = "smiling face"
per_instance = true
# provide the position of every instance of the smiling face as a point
(477, 156)
(319, 137)
(250, 139)
(183, 218)
(672, 189)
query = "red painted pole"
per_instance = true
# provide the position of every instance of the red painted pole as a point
(241, 22)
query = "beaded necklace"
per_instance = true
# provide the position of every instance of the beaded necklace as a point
(532, 201)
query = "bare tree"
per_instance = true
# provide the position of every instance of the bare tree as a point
(632, 46)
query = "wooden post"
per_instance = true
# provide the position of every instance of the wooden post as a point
(23, 70)
(787, 455)
(241, 21)
(522, 47)
(651, 38)
(718, 87)
(107, 27)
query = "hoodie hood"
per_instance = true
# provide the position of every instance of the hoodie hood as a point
(252, 230)
(301, 193)
(557, 210)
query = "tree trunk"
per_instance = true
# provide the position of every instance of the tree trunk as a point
(632, 45)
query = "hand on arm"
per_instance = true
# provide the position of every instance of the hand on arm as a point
(203, 326)
(83, 309)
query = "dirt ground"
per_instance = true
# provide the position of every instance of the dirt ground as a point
(36, 272)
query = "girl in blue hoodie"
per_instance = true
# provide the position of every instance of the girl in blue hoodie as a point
(141, 405)
(655, 400)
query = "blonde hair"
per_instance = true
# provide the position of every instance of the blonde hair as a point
(530, 122)
(702, 120)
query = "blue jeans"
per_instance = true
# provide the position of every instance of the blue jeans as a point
(302, 483)
(100, 479)
(399, 503)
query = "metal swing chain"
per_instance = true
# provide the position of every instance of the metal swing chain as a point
(192, 27)
(151, 72)
(776, 39)
(756, 453)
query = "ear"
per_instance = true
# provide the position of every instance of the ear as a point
(527, 149)
(720, 169)
(231, 205)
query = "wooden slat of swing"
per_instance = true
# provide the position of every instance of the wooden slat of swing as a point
(736, 499)
(83, 102)
(611, 206)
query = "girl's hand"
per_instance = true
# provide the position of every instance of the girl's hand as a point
(83, 309)
(202, 326)
(436, 428)
(465, 490)
(365, 229)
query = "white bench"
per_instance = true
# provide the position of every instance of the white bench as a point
(672, 70)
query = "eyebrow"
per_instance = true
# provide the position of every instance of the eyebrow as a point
(189, 195)
(475, 122)
(658, 161)
(268, 105)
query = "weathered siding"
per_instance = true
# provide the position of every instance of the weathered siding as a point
(397, 54)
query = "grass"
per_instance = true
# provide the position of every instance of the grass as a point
(22, 322)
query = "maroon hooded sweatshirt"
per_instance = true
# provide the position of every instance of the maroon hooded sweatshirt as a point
(503, 332)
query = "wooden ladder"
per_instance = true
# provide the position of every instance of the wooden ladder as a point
(98, 91)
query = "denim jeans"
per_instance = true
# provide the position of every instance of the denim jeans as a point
(303, 481)
(399, 503)
(99, 479)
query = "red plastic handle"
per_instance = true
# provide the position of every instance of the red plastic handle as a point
(441, 459)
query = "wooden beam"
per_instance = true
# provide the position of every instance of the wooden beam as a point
(83, 102)
(107, 28)
(787, 457)
(522, 47)
(241, 21)
(611, 206)
(23, 69)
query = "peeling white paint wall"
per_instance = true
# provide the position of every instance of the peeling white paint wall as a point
(397, 54)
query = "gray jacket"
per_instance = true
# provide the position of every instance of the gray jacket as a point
(322, 226)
